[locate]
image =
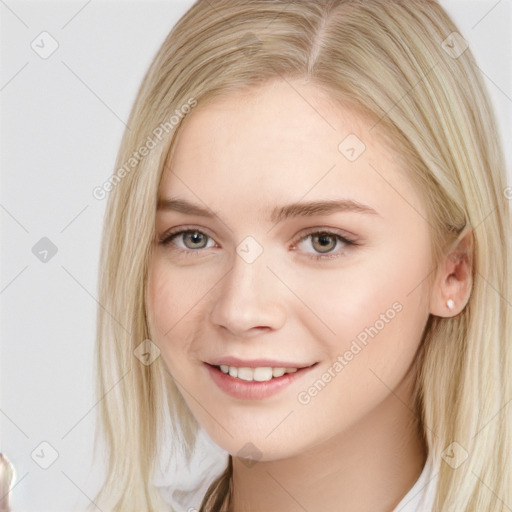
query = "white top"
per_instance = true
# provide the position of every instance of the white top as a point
(420, 497)
(191, 481)
(183, 485)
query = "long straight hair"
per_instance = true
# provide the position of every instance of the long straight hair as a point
(404, 64)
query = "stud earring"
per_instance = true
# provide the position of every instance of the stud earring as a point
(450, 303)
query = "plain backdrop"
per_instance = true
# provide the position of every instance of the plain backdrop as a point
(62, 118)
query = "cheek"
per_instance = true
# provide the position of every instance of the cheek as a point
(171, 304)
(378, 324)
(174, 292)
(374, 314)
(349, 299)
(163, 303)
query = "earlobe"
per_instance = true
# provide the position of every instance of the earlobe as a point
(453, 283)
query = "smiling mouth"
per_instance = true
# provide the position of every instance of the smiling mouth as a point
(261, 374)
(254, 382)
(256, 374)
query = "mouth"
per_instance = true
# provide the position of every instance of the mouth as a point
(258, 374)
(250, 381)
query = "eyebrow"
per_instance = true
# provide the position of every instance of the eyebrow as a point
(278, 214)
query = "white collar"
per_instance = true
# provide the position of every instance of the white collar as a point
(420, 498)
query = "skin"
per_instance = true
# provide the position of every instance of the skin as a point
(356, 442)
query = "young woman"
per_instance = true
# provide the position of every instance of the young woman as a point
(306, 261)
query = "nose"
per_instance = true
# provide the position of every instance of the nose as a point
(249, 300)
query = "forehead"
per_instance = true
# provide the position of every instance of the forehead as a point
(273, 123)
(283, 140)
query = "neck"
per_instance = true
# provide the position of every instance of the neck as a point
(369, 467)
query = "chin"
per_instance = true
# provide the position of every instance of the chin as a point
(254, 444)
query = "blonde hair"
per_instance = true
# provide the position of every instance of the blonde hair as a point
(386, 59)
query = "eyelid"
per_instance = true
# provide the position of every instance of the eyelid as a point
(349, 239)
(167, 235)
(304, 233)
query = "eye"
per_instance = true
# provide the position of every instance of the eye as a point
(323, 244)
(191, 240)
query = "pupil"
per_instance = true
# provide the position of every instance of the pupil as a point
(325, 240)
(196, 237)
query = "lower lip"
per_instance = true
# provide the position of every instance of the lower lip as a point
(253, 390)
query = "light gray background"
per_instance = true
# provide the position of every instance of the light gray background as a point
(62, 119)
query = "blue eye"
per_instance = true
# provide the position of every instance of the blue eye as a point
(323, 243)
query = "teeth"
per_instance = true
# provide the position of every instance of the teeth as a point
(246, 373)
(260, 374)
(278, 372)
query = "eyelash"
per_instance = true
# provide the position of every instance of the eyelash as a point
(167, 238)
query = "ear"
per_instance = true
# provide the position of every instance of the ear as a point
(454, 278)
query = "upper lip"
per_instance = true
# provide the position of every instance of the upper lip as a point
(256, 363)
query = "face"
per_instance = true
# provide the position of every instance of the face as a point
(331, 291)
